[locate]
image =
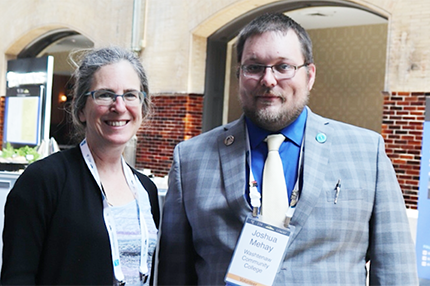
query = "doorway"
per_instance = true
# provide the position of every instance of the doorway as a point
(319, 18)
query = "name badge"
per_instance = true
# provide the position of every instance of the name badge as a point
(258, 255)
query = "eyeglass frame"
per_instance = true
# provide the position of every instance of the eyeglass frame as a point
(273, 71)
(115, 96)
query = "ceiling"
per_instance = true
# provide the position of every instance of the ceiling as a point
(69, 43)
(332, 17)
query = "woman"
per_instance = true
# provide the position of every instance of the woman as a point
(83, 216)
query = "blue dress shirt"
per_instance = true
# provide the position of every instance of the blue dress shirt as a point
(289, 150)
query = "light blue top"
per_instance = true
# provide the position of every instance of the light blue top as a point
(129, 241)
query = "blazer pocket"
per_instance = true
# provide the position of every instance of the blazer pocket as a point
(345, 195)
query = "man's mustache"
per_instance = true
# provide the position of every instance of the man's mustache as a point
(268, 92)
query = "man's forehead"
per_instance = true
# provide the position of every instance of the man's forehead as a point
(282, 44)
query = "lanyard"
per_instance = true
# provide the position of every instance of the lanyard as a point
(138, 192)
(255, 196)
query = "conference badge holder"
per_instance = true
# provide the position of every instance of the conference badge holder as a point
(259, 253)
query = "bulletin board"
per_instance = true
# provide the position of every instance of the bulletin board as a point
(27, 114)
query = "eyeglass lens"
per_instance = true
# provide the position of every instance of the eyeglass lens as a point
(106, 97)
(281, 71)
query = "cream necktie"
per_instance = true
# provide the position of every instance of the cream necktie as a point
(275, 196)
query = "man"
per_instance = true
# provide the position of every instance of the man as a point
(350, 209)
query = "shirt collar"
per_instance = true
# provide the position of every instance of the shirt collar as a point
(294, 132)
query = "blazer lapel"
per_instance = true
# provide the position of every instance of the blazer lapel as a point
(316, 153)
(232, 147)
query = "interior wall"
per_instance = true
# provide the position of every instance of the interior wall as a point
(61, 122)
(234, 106)
(350, 74)
(61, 63)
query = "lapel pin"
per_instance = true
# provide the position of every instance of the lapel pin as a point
(321, 137)
(229, 140)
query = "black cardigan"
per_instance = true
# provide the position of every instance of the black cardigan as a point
(54, 231)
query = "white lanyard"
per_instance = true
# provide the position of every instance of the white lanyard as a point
(255, 196)
(137, 190)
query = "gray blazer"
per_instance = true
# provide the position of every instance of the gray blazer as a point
(205, 209)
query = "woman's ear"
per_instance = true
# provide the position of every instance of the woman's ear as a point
(82, 117)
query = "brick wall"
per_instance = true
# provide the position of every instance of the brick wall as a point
(175, 118)
(402, 129)
(178, 117)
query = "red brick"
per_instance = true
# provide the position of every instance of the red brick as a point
(175, 117)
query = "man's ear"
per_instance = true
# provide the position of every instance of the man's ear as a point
(312, 70)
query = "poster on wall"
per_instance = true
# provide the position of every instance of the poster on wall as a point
(423, 230)
(28, 101)
(22, 120)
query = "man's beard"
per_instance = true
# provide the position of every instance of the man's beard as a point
(275, 121)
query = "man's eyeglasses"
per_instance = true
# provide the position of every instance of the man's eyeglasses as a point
(280, 71)
(106, 97)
